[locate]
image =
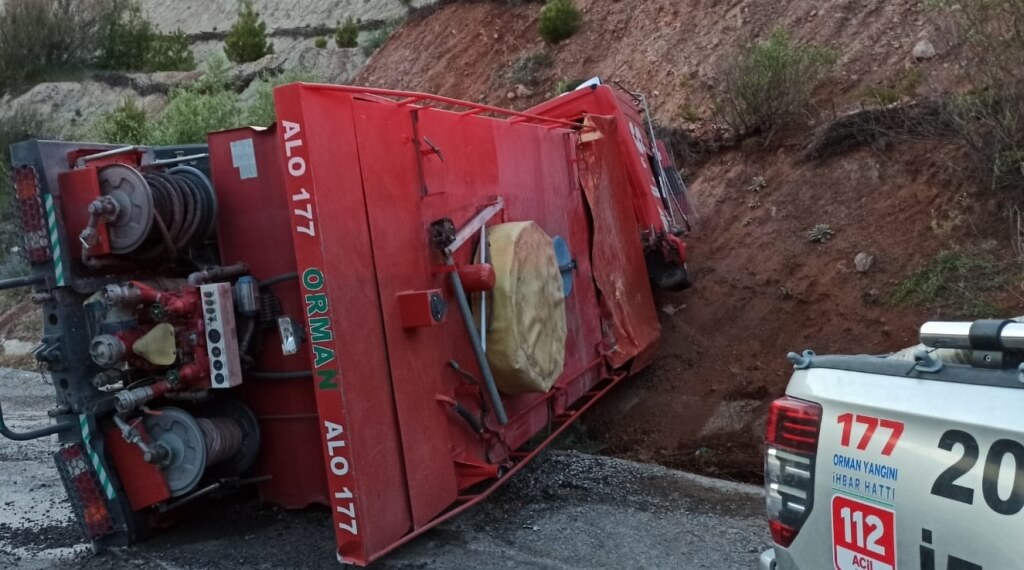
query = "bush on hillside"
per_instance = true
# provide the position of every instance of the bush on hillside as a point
(559, 20)
(770, 82)
(260, 111)
(990, 118)
(347, 34)
(126, 36)
(528, 69)
(130, 42)
(127, 124)
(43, 36)
(320, 43)
(170, 52)
(247, 39)
(211, 103)
(380, 36)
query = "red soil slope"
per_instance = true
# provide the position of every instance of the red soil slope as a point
(762, 288)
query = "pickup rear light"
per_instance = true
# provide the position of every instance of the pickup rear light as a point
(791, 444)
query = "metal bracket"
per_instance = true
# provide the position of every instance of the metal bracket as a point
(925, 362)
(474, 225)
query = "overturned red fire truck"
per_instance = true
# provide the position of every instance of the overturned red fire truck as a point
(386, 303)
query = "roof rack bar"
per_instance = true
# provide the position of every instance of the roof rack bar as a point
(409, 97)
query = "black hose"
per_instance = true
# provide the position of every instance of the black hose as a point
(277, 279)
(33, 434)
(25, 281)
(266, 375)
(468, 416)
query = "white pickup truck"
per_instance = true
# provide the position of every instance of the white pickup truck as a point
(913, 461)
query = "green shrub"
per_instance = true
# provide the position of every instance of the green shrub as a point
(40, 37)
(559, 20)
(191, 114)
(218, 75)
(964, 283)
(347, 34)
(527, 70)
(127, 124)
(990, 117)
(261, 109)
(247, 39)
(566, 85)
(170, 52)
(768, 83)
(380, 37)
(320, 43)
(126, 37)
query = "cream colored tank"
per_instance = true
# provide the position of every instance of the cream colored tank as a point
(526, 336)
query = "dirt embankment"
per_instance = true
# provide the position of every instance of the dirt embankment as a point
(762, 287)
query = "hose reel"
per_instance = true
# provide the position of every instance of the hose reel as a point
(153, 213)
(186, 447)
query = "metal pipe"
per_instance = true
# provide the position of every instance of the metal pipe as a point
(106, 153)
(26, 281)
(483, 294)
(179, 159)
(32, 434)
(220, 273)
(478, 350)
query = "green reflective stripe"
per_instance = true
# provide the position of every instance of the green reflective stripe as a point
(101, 472)
(51, 220)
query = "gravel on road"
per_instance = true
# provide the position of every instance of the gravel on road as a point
(566, 510)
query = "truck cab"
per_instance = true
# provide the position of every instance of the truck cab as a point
(913, 460)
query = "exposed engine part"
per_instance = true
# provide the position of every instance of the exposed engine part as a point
(108, 378)
(107, 350)
(192, 397)
(247, 299)
(222, 348)
(133, 399)
(151, 454)
(270, 307)
(222, 273)
(158, 346)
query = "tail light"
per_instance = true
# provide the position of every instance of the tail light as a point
(32, 219)
(792, 445)
(84, 491)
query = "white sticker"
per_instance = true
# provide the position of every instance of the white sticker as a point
(243, 157)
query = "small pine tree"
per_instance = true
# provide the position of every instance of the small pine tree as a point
(171, 52)
(126, 37)
(320, 43)
(247, 40)
(347, 35)
(559, 20)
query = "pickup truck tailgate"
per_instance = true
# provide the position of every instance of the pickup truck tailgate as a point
(913, 470)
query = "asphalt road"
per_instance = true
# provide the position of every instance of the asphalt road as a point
(567, 510)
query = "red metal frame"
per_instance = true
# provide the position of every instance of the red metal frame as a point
(347, 186)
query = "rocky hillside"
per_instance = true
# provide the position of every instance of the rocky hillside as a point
(292, 28)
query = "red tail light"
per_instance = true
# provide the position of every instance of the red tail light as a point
(84, 491)
(791, 442)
